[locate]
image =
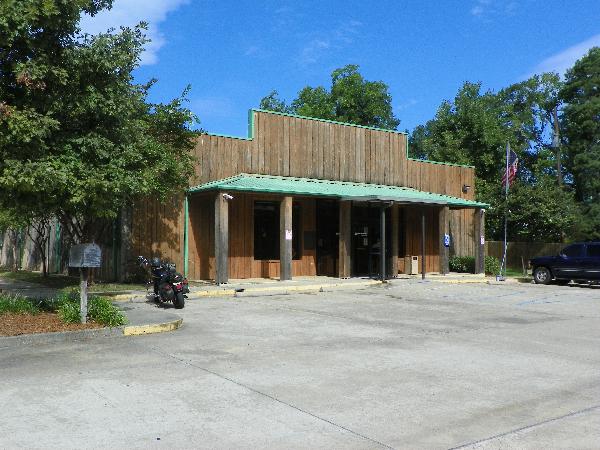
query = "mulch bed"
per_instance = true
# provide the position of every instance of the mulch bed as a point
(15, 324)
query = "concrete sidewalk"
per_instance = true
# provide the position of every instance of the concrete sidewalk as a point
(267, 287)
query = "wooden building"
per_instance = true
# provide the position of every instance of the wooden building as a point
(302, 196)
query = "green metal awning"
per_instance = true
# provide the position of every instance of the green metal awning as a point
(343, 190)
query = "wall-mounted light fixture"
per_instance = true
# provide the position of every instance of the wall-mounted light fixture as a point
(466, 188)
(227, 197)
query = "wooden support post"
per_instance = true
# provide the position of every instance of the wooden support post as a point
(479, 235)
(285, 239)
(382, 274)
(444, 230)
(345, 239)
(221, 239)
(395, 240)
(423, 263)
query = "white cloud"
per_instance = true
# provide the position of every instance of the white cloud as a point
(129, 13)
(407, 104)
(486, 8)
(212, 107)
(480, 7)
(564, 60)
(339, 37)
(314, 49)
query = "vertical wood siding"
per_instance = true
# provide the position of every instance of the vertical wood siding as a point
(292, 146)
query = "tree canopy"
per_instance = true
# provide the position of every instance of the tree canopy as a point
(581, 125)
(350, 99)
(78, 137)
(475, 129)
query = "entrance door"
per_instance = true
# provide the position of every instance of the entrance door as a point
(366, 242)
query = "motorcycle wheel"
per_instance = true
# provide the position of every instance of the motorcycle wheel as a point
(179, 300)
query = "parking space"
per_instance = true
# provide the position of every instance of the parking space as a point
(410, 364)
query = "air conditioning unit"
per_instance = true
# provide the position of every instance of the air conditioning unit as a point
(411, 265)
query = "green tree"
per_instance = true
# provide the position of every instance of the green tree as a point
(581, 123)
(350, 99)
(78, 138)
(537, 212)
(475, 128)
(272, 102)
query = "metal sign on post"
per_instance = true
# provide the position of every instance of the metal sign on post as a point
(84, 256)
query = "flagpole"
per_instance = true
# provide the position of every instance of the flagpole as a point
(503, 266)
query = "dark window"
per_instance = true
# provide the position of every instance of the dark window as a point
(296, 231)
(593, 250)
(573, 251)
(266, 230)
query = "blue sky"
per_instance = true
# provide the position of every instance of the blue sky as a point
(233, 53)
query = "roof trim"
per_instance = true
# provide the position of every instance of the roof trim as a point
(333, 189)
(329, 121)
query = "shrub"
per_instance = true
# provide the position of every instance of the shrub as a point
(492, 265)
(16, 303)
(100, 310)
(69, 312)
(462, 264)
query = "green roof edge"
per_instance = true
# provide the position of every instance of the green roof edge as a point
(217, 185)
(328, 121)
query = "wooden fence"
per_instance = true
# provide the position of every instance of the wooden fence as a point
(518, 253)
(18, 250)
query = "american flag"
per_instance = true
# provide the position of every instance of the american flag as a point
(511, 168)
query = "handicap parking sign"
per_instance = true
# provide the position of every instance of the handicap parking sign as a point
(446, 240)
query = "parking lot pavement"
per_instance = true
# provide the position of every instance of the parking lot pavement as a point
(408, 365)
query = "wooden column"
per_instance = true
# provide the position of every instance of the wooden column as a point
(479, 236)
(444, 216)
(423, 262)
(395, 212)
(382, 250)
(285, 239)
(221, 239)
(345, 240)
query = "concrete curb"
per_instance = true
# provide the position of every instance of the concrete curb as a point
(279, 290)
(59, 337)
(136, 330)
(82, 335)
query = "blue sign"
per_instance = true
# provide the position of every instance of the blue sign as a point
(446, 240)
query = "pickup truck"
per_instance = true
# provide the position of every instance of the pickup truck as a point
(579, 261)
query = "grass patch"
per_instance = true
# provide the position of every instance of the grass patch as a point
(65, 282)
(17, 304)
(517, 273)
(51, 281)
(66, 305)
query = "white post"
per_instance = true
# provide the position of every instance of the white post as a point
(84, 294)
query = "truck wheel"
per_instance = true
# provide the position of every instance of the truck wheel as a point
(179, 300)
(542, 275)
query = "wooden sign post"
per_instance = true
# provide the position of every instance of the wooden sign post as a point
(84, 256)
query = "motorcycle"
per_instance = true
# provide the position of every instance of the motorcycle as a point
(169, 285)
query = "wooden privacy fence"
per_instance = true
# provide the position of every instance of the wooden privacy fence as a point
(517, 250)
(18, 250)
